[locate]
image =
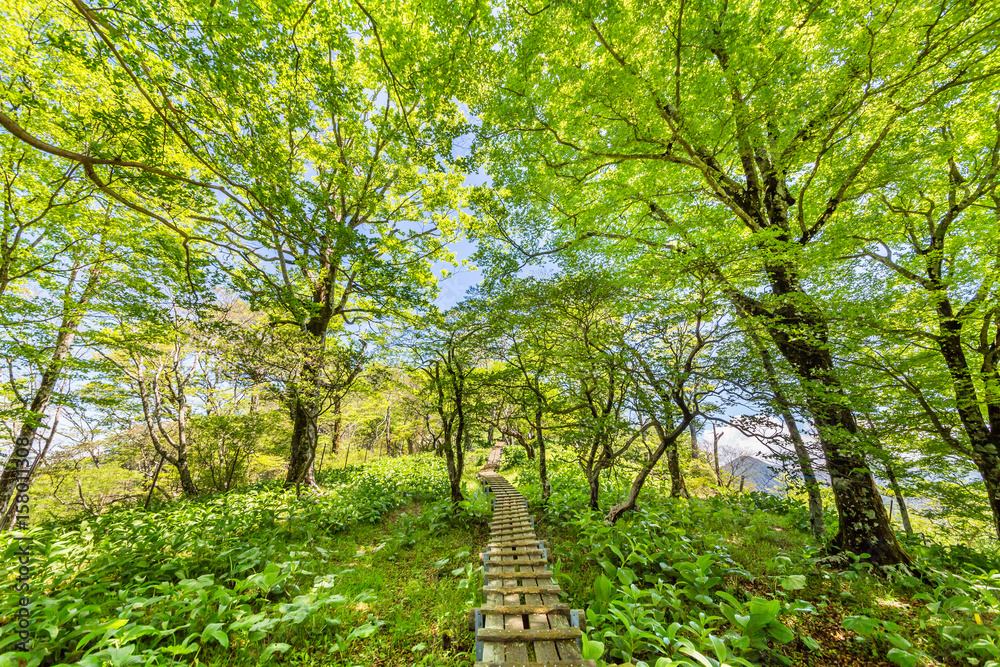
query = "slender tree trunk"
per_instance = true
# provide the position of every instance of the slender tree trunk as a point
(594, 482)
(715, 455)
(543, 472)
(694, 440)
(904, 514)
(156, 476)
(668, 446)
(322, 457)
(801, 453)
(984, 438)
(335, 439)
(388, 428)
(10, 517)
(816, 523)
(43, 394)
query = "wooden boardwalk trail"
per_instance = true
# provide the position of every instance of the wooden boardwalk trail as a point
(523, 623)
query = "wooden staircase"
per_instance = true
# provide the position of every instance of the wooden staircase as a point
(523, 623)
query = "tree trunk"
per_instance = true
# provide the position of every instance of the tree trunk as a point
(677, 486)
(454, 463)
(594, 482)
(985, 441)
(303, 445)
(715, 455)
(152, 487)
(801, 453)
(800, 332)
(628, 504)
(308, 401)
(40, 401)
(335, 439)
(543, 472)
(184, 472)
(694, 441)
(816, 523)
(904, 514)
(668, 445)
(388, 428)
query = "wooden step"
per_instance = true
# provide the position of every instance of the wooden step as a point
(520, 551)
(528, 590)
(509, 533)
(504, 636)
(520, 609)
(507, 524)
(510, 562)
(513, 543)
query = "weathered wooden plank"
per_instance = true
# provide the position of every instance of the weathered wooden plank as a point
(513, 521)
(526, 608)
(516, 651)
(506, 552)
(514, 543)
(510, 636)
(493, 652)
(503, 562)
(551, 590)
(514, 534)
(544, 650)
(568, 648)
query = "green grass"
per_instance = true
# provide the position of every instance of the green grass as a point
(398, 576)
(363, 568)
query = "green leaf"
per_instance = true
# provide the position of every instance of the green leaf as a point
(592, 650)
(363, 631)
(780, 632)
(794, 582)
(278, 647)
(770, 608)
(863, 625)
(902, 658)
(603, 589)
(811, 643)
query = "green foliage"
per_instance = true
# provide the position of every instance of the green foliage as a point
(513, 457)
(106, 592)
(728, 580)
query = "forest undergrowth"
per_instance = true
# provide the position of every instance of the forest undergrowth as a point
(255, 576)
(380, 569)
(732, 580)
